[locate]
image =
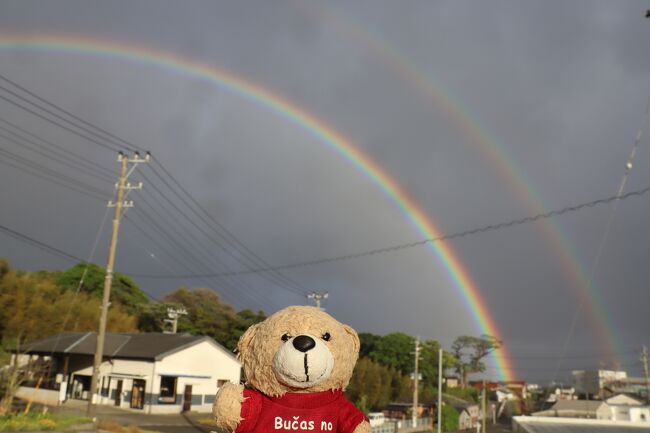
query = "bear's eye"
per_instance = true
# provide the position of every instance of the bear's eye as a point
(286, 337)
(327, 336)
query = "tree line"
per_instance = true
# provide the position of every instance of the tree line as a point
(35, 305)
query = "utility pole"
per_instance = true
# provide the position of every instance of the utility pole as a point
(439, 390)
(416, 377)
(317, 297)
(173, 315)
(644, 358)
(484, 407)
(120, 204)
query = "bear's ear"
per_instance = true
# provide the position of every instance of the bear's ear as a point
(245, 340)
(355, 337)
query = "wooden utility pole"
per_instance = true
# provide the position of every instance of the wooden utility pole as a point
(484, 404)
(120, 204)
(439, 390)
(416, 377)
(644, 359)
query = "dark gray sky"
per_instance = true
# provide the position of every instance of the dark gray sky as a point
(482, 112)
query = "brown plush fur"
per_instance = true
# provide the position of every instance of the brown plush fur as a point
(226, 413)
(258, 346)
(260, 342)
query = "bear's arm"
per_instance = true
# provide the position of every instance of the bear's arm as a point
(364, 427)
(236, 408)
(351, 419)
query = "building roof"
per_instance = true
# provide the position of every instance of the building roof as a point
(578, 405)
(148, 345)
(624, 400)
(532, 424)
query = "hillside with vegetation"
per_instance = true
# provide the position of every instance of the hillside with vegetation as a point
(38, 304)
(35, 305)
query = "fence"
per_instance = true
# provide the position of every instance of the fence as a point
(403, 426)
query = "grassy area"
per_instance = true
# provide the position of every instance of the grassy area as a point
(39, 422)
(114, 427)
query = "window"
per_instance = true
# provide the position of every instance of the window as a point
(106, 386)
(167, 389)
(221, 382)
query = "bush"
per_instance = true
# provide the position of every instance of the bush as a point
(468, 394)
(449, 419)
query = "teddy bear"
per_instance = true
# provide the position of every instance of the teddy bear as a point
(297, 363)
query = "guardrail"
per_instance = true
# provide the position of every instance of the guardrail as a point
(403, 426)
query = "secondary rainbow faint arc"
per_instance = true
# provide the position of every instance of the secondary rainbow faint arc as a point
(300, 117)
(494, 152)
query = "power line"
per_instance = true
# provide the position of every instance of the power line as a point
(229, 238)
(53, 176)
(195, 242)
(45, 142)
(50, 154)
(51, 180)
(38, 244)
(608, 226)
(70, 180)
(399, 247)
(54, 122)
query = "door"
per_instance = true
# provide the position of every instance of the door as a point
(187, 398)
(137, 394)
(118, 393)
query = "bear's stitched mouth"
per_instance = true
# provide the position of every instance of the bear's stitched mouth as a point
(315, 380)
(306, 368)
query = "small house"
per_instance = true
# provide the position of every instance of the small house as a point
(147, 372)
(626, 408)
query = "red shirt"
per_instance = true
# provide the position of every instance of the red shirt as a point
(318, 412)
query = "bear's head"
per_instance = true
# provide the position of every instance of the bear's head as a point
(298, 349)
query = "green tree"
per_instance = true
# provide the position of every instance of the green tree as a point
(371, 385)
(207, 315)
(123, 289)
(395, 350)
(368, 343)
(32, 306)
(469, 351)
(449, 419)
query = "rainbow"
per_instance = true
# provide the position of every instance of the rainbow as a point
(493, 151)
(301, 118)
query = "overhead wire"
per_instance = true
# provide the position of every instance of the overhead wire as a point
(58, 178)
(119, 142)
(223, 232)
(28, 145)
(605, 236)
(49, 143)
(67, 182)
(446, 237)
(191, 239)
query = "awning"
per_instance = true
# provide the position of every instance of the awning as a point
(191, 376)
(127, 375)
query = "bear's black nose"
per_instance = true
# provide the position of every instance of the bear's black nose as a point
(304, 343)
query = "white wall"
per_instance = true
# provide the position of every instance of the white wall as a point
(44, 396)
(205, 359)
(201, 366)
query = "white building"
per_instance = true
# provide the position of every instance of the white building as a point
(149, 372)
(534, 424)
(591, 382)
(625, 408)
(621, 408)
(469, 415)
(562, 393)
